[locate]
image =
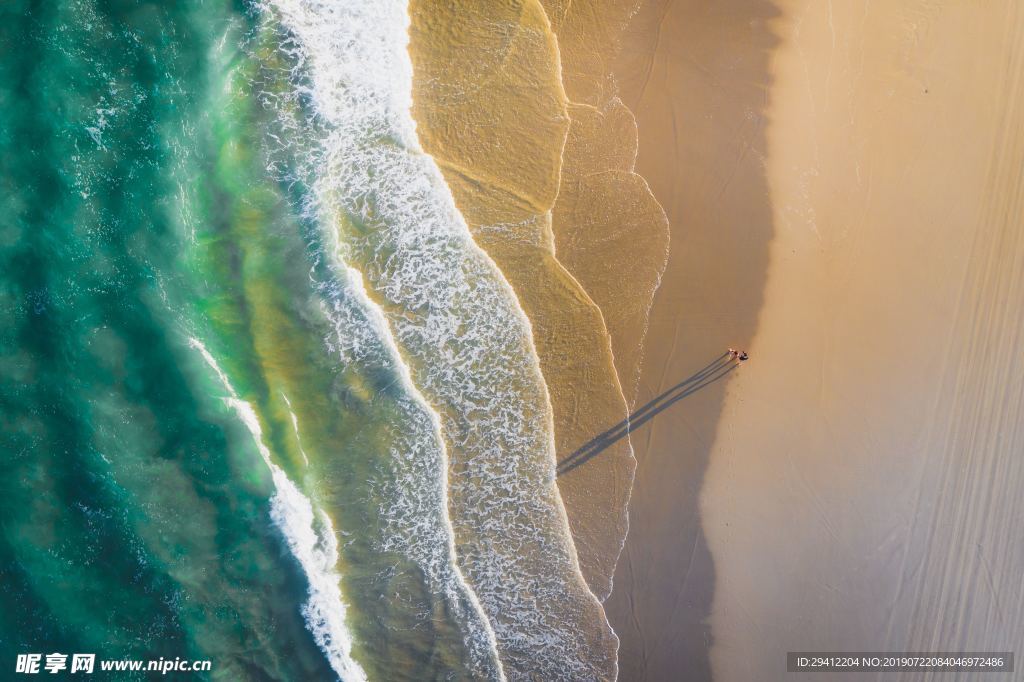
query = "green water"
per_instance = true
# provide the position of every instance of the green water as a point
(137, 214)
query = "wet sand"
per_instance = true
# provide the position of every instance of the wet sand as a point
(610, 232)
(843, 182)
(696, 77)
(491, 109)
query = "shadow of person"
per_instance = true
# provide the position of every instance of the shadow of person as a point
(709, 374)
(698, 77)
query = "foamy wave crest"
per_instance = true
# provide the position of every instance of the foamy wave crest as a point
(418, 525)
(311, 539)
(458, 325)
(413, 493)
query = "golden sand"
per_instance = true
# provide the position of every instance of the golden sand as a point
(695, 74)
(491, 110)
(844, 185)
(880, 427)
(610, 232)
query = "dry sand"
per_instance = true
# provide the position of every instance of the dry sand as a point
(695, 74)
(843, 182)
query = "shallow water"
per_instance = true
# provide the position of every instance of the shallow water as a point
(264, 401)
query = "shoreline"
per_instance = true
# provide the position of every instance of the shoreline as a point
(491, 109)
(696, 79)
(610, 230)
(843, 191)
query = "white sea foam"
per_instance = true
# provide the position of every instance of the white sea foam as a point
(413, 493)
(446, 306)
(295, 429)
(310, 537)
(418, 525)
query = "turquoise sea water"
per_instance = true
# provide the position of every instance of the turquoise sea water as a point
(263, 401)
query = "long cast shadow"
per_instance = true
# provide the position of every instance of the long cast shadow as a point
(698, 77)
(709, 374)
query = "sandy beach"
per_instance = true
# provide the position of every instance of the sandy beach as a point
(387, 339)
(841, 187)
(843, 184)
(696, 77)
(610, 231)
(492, 111)
(517, 105)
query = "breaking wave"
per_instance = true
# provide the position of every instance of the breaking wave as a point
(310, 538)
(404, 260)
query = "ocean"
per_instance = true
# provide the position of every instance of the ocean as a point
(265, 402)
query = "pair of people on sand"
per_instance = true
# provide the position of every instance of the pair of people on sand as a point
(738, 355)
